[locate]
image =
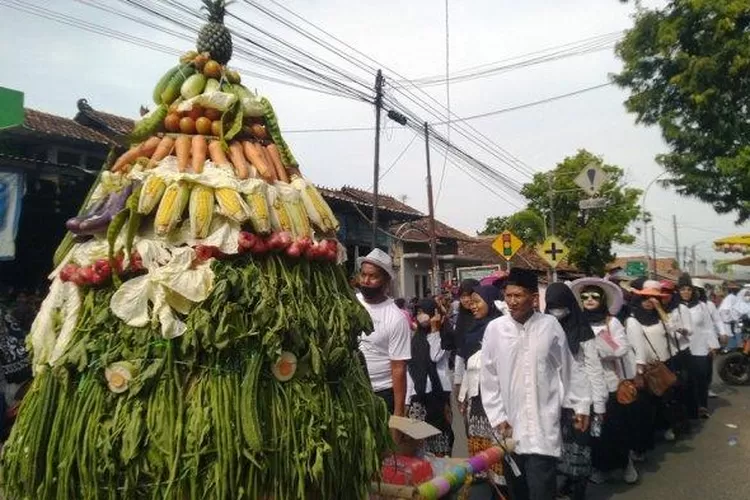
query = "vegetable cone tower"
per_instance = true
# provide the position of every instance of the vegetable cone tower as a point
(199, 336)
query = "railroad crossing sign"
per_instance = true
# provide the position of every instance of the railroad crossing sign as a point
(507, 244)
(591, 179)
(553, 251)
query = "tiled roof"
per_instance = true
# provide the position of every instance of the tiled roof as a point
(418, 230)
(481, 249)
(364, 199)
(49, 124)
(117, 124)
(384, 201)
(666, 267)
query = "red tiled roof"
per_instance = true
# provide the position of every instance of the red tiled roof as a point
(418, 230)
(117, 124)
(526, 257)
(48, 124)
(384, 201)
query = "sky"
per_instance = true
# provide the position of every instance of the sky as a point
(56, 64)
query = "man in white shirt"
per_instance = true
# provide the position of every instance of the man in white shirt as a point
(730, 316)
(525, 378)
(387, 349)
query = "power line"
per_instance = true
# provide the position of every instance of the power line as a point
(584, 46)
(447, 102)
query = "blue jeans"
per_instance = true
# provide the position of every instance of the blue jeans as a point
(735, 339)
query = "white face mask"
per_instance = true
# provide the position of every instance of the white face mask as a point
(559, 312)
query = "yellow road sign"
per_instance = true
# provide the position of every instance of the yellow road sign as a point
(553, 251)
(507, 244)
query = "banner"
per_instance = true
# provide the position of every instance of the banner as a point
(11, 196)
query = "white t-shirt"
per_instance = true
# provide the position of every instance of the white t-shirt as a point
(390, 340)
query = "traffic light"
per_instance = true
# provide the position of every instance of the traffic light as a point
(507, 245)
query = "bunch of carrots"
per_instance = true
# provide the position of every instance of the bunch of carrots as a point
(248, 158)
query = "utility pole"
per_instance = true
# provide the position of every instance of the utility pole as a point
(693, 266)
(684, 258)
(645, 243)
(653, 248)
(376, 169)
(551, 194)
(676, 242)
(433, 231)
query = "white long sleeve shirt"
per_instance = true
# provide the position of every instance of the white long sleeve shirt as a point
(658, 349)
(721, 329)
(589, 368)
(704, 336)
(681, 319)
(727, 311)
(614, 352)
(525, 377)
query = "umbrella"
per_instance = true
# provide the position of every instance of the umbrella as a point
(736, 244)
(492, 278)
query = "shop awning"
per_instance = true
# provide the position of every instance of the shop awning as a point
(733, 244)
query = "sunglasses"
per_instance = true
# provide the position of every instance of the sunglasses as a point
(590, 295)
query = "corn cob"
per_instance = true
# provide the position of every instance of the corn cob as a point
(318, 210)
(258, 204)
(280, 220)
(171, 206)
(201, 210)
(232, 205)
(151, 193)
(295, 209)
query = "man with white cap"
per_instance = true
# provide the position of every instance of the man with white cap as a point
(388, 348)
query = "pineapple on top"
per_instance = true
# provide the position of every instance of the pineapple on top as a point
(214, 37)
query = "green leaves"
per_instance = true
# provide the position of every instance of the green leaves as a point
(686, 67)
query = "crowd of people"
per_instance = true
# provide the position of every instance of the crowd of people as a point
(584, 377)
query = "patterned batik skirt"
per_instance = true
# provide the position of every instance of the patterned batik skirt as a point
(481, 437)
(430, 408)
(575, 460)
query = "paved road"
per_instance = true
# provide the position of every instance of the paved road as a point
(703, 466)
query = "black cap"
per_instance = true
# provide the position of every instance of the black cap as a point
(524, 278)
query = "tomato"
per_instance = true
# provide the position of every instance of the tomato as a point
(294, 250)
(196, 112)
(212, 69)
(212, 114)
(172, 122)
(203, 126)
(216, 128)
(187, 125)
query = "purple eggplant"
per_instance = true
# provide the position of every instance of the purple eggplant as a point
(73, 224)
(99, 221)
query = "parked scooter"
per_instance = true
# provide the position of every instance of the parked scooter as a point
(734, 364)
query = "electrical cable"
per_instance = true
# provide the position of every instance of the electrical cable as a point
(447, 102)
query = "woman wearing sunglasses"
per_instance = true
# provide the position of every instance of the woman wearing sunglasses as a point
(601, 300)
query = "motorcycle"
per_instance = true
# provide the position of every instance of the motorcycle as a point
(734, 364)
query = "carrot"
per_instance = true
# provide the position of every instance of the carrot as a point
(145, 148)
(217, 153)
(273, 152)
(254, 153)
(238, 160)
(199, 150)
(182, 149)
(162, 151)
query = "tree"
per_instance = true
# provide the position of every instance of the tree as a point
(527, 224)
(589, 234)
(687, 67)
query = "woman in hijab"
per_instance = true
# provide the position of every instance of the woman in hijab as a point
(601, 301)
(655, 335)
(575, 462)
(479, 431)
(464, 320)
(703, 342)
(427, 375)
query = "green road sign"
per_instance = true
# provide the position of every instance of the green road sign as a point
(635, 268)
(11, 108)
